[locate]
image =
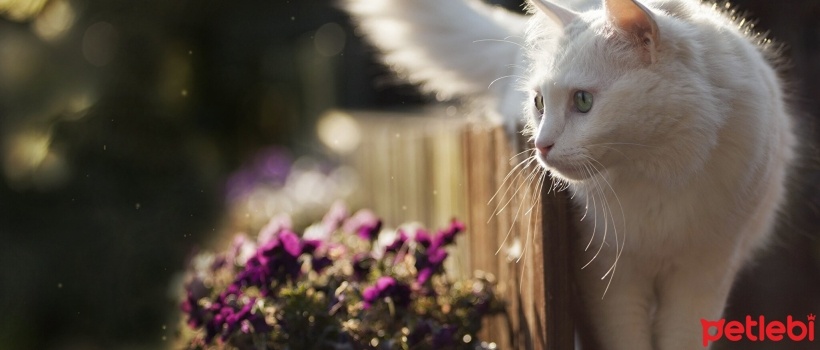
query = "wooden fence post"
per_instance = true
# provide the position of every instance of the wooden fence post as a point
(539, 286)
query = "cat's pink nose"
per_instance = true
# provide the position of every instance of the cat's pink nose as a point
(544, 150)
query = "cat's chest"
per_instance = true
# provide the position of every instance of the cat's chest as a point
(650, 221)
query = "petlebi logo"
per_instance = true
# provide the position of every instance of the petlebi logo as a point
(758, 330)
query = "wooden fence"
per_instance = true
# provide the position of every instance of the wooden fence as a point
(431, 166)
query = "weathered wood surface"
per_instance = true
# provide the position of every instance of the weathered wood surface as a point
(429, 169)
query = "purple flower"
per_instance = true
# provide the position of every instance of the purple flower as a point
(276, 225)
(233, 318)
(196, 314)
(387, 286)
(255, 274)
(242, 249)
(365, 224)
(448, 235)
(276, 260)
(229, 316)
(423, 238)
(369, 296)
(335, 216)
(429, 262)
(330, 223)
(194, 291)
(310, 246)
(291, 242)
(320, 263)
(221, 309)
(397, 244)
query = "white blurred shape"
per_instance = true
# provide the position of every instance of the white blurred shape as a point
(346, 180)
(21, 10)
(28, 160)
(79, 102)
(339, 132)
(25, 153)
(515, 250)
(55, 20)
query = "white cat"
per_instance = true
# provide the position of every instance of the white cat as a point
(664, 118)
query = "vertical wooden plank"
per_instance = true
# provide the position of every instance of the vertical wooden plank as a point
(538, 288)
(481, 164)
(557, 235)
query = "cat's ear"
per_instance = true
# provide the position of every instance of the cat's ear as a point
(560, 15)
(636, 22)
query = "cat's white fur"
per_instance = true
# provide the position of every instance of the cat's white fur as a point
(679, 168)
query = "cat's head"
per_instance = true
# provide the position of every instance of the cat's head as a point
(618, 88)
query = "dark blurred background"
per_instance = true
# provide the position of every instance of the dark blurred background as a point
(121, 121)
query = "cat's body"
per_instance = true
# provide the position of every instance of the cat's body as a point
(666, 121)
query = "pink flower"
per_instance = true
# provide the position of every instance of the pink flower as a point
(387, 286)
(273, 227)
(365, 224)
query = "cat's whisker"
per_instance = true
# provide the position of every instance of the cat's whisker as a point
(526, 162)
(594, 212)
(619, 246)
(586, 208)
(524, 252)
(518, 211)
(538, 186)
(533, 194)
(499, 41)
(508, 37)
(608, 209)
(503, 201)
(621, 143)
(538, 196)
(595, 222)
(578, 170)
(519, 171)
(604, 206)
(504, 77)
(498, 210)
(623, 215)
(526, 181)
(532, 151)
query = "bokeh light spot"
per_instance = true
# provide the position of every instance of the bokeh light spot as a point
(100, 43)
(330, 39)
(339, 132)
(28, 160)
(55, 20)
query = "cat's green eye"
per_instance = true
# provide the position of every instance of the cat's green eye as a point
(583, 101)
(539, 103)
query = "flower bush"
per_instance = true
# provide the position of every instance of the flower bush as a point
(344, 283)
